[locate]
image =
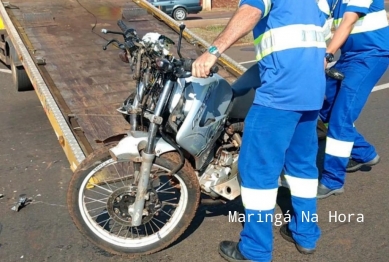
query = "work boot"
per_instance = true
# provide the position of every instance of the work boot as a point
(353, 165)
(287, 235)
(324, 192)
(230, 251)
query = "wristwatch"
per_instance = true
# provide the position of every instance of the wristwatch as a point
(213, 50)
(329, 57)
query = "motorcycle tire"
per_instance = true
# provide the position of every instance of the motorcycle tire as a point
(176, 226)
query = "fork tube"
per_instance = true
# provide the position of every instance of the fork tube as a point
(157, 112)
(135, 106)
(148, 156)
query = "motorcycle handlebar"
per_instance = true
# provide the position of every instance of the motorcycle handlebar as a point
(187, 65)
(122, 25)
(334, 73)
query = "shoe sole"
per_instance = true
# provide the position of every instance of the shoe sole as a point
(300, 249)
(335, 192)
(230, 259)
(358, 166)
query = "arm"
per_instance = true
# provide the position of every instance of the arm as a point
(242, 22)
(343, 31)
(354, 10)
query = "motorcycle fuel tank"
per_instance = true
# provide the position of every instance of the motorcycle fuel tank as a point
(206, 104)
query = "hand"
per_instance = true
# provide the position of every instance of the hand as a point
(202, 65)
(325, 64)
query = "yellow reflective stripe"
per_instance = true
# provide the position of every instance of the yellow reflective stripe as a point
(359, 3)
(338, 148)
(259, 199)
(302, 187)
(287, 37)
(323, 6)
(370, 22)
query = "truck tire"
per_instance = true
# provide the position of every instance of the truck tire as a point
(19, 76)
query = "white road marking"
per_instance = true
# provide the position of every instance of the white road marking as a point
(380, 87)
(5, 71)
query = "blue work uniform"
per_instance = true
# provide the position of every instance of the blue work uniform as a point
(364, 59)
(280, 128)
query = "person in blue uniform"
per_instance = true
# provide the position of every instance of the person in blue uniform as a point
(280, 128)
(362, 35)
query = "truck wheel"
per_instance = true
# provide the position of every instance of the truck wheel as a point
(180, 14)
(20, 78)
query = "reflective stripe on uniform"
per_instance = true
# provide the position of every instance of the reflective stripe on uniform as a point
(327, 29)
(287, 37)
(302, 187)
(370, 22)
(323, 6)
(267, 4)
(360, 3)
(259, 199)
(338, 148)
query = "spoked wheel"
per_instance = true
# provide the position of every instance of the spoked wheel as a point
(102, 191)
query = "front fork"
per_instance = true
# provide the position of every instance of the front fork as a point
(148, 155)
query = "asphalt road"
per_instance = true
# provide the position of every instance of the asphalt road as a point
(33, 163)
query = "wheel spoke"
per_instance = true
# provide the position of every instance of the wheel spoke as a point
(106, 190)
(96, 200)
(110, 191)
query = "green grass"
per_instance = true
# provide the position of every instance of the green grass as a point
(209, 34)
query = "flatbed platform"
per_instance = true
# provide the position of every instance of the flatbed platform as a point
(88, 83)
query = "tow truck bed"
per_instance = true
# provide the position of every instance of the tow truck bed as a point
(87, 83)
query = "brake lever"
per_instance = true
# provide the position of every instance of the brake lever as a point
(121, 46)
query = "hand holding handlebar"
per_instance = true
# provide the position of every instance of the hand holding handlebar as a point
(203, 66)
(188, 63)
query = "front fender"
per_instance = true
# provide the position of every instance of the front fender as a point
(129, 147)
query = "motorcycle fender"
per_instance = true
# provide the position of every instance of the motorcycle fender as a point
(129, 147)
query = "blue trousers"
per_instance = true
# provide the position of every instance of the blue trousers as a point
(342, 107)
(274, 140)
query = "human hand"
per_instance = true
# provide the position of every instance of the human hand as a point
(201, 67)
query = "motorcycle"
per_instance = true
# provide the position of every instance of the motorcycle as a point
(137, 196)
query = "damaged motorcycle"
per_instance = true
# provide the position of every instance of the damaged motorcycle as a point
(138, 195)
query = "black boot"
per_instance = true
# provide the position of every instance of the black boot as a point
(354, 166)
(287, 235)
(230, 251)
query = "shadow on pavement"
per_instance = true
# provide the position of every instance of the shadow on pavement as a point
(210, 211)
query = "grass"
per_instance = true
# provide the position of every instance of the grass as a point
(209, 33)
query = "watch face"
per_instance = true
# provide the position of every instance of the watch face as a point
(212, 49)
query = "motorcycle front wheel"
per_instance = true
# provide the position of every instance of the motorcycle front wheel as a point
(101, 191)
